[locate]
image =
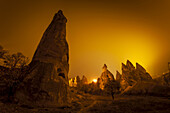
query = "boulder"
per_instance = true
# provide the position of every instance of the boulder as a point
(46, 82)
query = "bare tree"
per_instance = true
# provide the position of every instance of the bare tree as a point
(17, 60)
(2, 52)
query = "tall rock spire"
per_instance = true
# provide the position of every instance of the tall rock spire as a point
(46, 84)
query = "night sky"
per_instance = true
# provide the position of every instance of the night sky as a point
(98, 32)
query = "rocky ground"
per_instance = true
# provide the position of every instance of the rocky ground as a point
(85, 103)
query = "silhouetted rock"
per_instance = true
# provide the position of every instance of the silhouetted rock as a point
(84, 80)
(130, 65)
(77, 82)
(141, 72)
(46, 83)
(130, 75)
(105, 77)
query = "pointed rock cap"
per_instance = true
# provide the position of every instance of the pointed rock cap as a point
(124, 67)
(105, 66)
(118, 75)
(140, 68)
(130, 65)
(59, 17)
(84, 80)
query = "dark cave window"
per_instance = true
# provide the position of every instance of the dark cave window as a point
(62, 75)
(59, 70)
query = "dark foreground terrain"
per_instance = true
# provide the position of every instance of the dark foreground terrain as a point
(85, 103)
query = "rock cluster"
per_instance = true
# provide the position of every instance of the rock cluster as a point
(77, 82)
(131, 75)
(46, 83)
(105, 77)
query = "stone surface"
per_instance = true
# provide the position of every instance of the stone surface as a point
(141, 72)
(131, 75)
(105, 77)
(46, 83)
(147, 88)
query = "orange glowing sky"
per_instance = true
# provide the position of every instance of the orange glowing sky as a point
(98, 32)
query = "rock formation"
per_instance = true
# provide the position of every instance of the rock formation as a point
(163, 79)
(71, 82)
(84, 80)
(141, 72)
(46, 83)
(131, 76)
(76, 82)
(105, 77)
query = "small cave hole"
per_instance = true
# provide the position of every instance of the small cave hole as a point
(59, 70)
(62, 75)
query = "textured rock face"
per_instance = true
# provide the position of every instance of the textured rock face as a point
(157, 87)
(141, 72)
(105, 77)
(46, 83)
(131, 76)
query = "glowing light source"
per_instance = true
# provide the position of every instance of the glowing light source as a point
(94, 80)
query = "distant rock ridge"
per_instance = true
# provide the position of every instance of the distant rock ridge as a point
(46, 83)
(131, 75)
